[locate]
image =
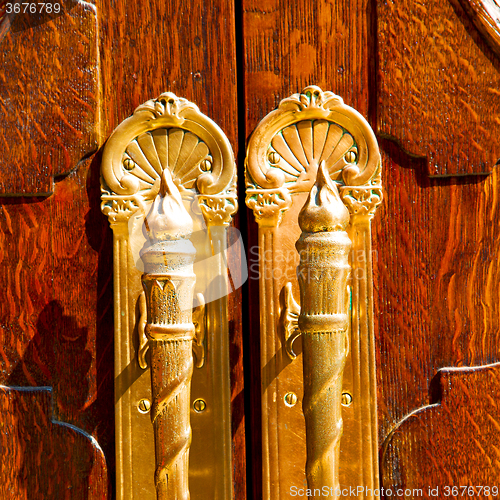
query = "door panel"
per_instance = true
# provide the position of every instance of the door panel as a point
(287, 46)
(187, 48)
(437, 243)
(56, 256)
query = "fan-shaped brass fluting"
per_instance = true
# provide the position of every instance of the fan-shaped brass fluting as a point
(304, 145)
(181, 151)
(323, 272)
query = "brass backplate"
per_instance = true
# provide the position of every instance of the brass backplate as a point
(171, 133)
(283, 157)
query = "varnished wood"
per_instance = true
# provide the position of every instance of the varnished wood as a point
(438, 86)
(437, 241)
(43, 459)
(55, 259)
(485, 15)
(49, 104)
(436, 244)
(289, 45)
(48, 337)
(453, 441)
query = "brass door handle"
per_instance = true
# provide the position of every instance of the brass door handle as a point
(168, 172)
(168, 282)
(323, 270)
(314, 163)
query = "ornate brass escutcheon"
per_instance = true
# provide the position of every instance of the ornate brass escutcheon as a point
(169, 191)
(313, 164)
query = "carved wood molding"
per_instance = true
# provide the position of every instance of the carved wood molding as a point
(440, 104)
(454, 437)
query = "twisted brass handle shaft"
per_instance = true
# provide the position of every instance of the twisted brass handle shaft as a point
(170, 416)
(323, 272)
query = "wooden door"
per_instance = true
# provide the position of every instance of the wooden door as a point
(424, 74)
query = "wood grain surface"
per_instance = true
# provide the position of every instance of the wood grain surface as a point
(49, 97)
(42, 459)
(438, 86)
(452, 442)
(436, 274)
(56, 308)
(289, 45)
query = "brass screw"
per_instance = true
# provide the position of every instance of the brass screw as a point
(144, 405)
(290, 399)
(199, 405)
(128, 163)
(206, 165)
(346, 399)
(273, 157)
(351, 156)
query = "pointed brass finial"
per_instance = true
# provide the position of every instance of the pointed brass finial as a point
(323, 210)
(168, 219)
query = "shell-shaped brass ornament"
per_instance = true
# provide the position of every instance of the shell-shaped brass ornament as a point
(304, 145)
(289, 143)
(167, 132)
(177, 150)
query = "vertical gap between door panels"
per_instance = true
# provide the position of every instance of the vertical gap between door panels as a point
(374, 62)
(251, 386)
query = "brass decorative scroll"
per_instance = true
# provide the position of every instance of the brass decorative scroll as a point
(166, 155)
(323, 270)
(283, 158)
